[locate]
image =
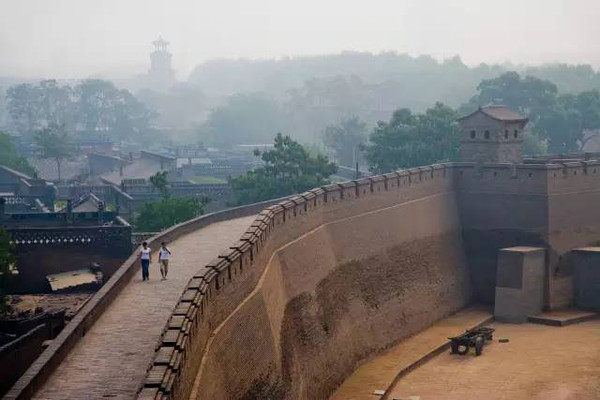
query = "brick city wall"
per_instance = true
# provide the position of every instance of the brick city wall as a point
(310, 270)
(335, 269)
(554, 206)
(314, 283)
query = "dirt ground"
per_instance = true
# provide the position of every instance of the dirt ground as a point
(379, 373)
(539, 362)
(72, 302)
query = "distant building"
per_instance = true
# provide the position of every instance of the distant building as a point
(49, 243)
(160, 76)
(492, 134)
(143, 167)
(591, 141)
(22, 193)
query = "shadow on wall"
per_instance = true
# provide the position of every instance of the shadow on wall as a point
(362, 307)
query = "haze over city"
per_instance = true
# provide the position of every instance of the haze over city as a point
(309, 199)
(81, 38)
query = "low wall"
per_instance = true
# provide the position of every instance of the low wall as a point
(17, 355)
(45, 364)
(45, 251)
(317, 284)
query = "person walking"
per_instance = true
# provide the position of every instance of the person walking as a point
(146, 258)
(164, 254)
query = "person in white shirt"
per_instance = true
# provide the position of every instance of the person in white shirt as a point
(146, 258)
(164, 254)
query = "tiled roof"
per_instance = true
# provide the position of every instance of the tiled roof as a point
(69, 169)
(142, 168)
(501, 113)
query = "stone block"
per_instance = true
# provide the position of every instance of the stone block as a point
(586, 283)
(520, 283)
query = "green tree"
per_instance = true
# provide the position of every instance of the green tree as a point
(288, 169)
(410, 139)
(529, 95)
(96, 105)
(345, 139)
(168, 211)
(7, 263)
(55, 143)
(102, 107)
(23, 107)
(55, 102)
(159, 182)
(564, 125)
(10, 158)
(35, 106)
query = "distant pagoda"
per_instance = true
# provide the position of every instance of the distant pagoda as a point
(160, 76)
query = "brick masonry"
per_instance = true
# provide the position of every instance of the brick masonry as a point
(518, 197)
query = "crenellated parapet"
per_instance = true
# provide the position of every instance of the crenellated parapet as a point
(223, 284)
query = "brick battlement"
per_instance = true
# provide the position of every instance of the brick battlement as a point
(531, 178)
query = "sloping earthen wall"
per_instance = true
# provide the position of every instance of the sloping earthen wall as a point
(318, 284)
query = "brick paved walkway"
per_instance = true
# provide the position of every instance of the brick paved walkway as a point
(111, 360)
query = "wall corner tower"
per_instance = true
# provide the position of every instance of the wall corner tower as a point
(492, 134)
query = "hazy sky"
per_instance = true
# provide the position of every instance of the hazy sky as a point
(77, 38)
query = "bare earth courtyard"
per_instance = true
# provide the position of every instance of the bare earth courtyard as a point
(539, 362)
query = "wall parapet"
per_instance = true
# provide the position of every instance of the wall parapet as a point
(546, 178)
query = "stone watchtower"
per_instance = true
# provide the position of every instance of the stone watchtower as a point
(492, 134)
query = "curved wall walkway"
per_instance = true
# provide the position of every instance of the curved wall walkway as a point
(111, 360)
(316, 284)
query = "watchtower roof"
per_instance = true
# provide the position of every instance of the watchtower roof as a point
(498, 112)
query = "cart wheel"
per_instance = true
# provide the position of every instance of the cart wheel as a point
(479, 345)
(463, 349)
(454, 347)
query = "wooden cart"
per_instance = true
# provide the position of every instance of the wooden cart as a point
(471, 338)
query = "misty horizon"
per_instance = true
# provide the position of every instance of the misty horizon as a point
(80, 39)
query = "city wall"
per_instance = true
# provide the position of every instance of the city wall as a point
(554, 206)
(328, 278)
(316, 285)
(333, 276)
